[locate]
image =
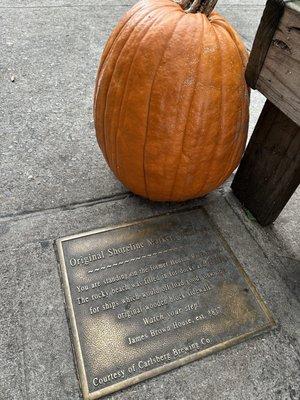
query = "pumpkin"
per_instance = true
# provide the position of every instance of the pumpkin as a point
(171, 102)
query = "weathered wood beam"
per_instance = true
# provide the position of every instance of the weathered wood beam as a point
(269, 172)
(274, 64)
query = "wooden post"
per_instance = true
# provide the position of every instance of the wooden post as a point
(270, 169)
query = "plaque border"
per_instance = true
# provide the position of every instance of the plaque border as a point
(75, 340)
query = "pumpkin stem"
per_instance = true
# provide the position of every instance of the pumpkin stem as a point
(195, 6)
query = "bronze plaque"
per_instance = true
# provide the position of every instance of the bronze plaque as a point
(148, 296)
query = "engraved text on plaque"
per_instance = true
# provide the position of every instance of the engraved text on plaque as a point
(148, 296)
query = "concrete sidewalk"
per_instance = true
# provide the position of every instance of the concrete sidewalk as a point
(55, 182)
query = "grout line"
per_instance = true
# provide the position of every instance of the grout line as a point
(112, 5)
(66, 6)
(66, 207)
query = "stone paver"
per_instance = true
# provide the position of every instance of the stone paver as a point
(39, 348)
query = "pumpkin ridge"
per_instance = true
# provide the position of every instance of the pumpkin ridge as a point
(149, 101)
(203, 107)
(216, 144)
(141, 18)
(188, 113)
(106, 93)
(126, 85)
(142, 7)
(241, 138)
(239, 115)
(222, 24)
(110, 45)
(244, 53)
(110, 79)
(239, 127)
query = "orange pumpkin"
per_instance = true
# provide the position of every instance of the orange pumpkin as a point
(171, 102)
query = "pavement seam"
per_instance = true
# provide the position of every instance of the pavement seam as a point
(65, 207)
(106, 5)
(65, 6)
